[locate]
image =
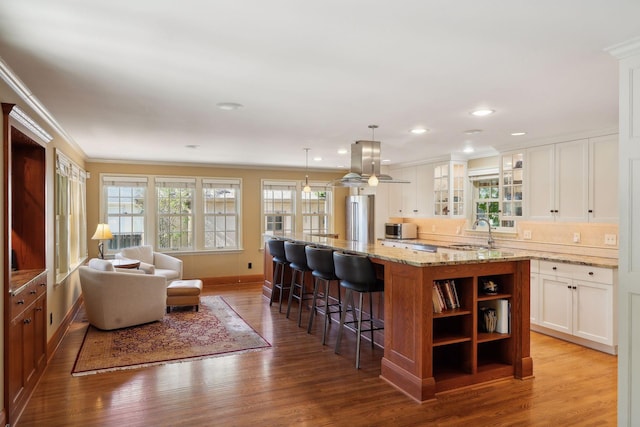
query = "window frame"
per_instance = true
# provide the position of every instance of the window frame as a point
(296, 213)
(151, 218)
(70, 216)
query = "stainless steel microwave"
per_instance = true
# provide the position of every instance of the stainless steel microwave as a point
(400, 230)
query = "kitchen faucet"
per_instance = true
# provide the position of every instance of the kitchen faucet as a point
(478, 221)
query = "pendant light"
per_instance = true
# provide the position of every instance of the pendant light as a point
(373, 179)
(307, 188)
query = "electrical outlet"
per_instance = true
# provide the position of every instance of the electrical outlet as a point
(610, 239)
(576, 237)
(249, 266)
(527, 234)
(458, 230)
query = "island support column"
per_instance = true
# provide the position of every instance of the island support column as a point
(408, 362)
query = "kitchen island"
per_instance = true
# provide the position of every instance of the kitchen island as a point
(425, 352)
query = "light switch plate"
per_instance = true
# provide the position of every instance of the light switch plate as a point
(576, 237)
(526, 235)
(610, 239)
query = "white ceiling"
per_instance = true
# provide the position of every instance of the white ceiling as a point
(140, 80)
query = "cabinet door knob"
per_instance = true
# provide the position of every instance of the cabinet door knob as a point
(38, 308)
(555, 268)
(43, 284)
(591, 273)
(20, 302)
(590, 210)
(568, 286)
(575, 287)
(26, 321)
(33, 291)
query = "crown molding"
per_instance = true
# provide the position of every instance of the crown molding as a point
(625, 49)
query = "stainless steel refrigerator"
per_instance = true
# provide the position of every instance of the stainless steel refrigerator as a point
(360, 218)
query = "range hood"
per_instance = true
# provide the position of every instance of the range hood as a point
(365, 161)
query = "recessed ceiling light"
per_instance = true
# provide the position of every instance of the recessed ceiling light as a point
(518, 133)
(192, 146)
(482, 112)
(229, 106)
(343, 151)
(472, 131)
(419, 131)
(468, 149)
(317, 159)
(386, 161)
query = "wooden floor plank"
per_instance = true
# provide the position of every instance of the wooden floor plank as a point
(300, 382)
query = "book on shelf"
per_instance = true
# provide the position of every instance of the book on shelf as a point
(445, 296)
(502, 308)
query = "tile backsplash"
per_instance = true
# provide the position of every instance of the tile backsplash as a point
(560, 237)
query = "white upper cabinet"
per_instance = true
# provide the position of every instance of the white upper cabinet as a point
(573, 181)
(603, 179)
(413, 200)
(449, 182)
(408, 191)
(394, 195)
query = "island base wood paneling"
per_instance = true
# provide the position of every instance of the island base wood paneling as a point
(421, 364)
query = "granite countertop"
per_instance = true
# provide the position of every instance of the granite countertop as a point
(446, 255)
(408, 256)
(574, 258)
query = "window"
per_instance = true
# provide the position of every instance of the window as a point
(174, 201)
(172, 213)
(316, 209)
(287, 209)
(486, 199)
(71, 216)
(221, 213)
(279, 206)
(126, 202)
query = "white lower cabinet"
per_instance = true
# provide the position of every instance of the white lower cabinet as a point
(574, 302)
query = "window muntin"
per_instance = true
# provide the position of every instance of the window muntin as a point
(487, 199)
(279, 207)
(71, 216)
(126, 201)
(174, 213)
(221, 213)
(316, 210)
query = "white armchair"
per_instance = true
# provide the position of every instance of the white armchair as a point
(154, 262)
(115, 299)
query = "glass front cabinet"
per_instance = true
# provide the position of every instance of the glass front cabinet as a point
(511, 176)
(449, 188)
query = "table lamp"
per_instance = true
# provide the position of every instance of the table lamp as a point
(102, 233)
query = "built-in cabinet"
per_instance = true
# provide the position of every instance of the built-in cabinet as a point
(25, 275)
(574, 302)
(573, 181)
(449, 183)
(511, 187)
(415, 199)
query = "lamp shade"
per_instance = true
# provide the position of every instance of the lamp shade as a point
(102, 232)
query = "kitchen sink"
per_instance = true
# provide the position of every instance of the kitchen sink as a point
(468, 247)
(424, 247)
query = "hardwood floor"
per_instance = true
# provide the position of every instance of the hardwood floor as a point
(300, 382)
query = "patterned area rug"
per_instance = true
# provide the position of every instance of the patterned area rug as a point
(215, 330)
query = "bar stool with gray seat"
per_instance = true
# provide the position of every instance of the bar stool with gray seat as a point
(356, 274)
(297, 258)
(276, 249)
(320, 261)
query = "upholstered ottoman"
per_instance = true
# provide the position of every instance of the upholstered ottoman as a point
(184, 293)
